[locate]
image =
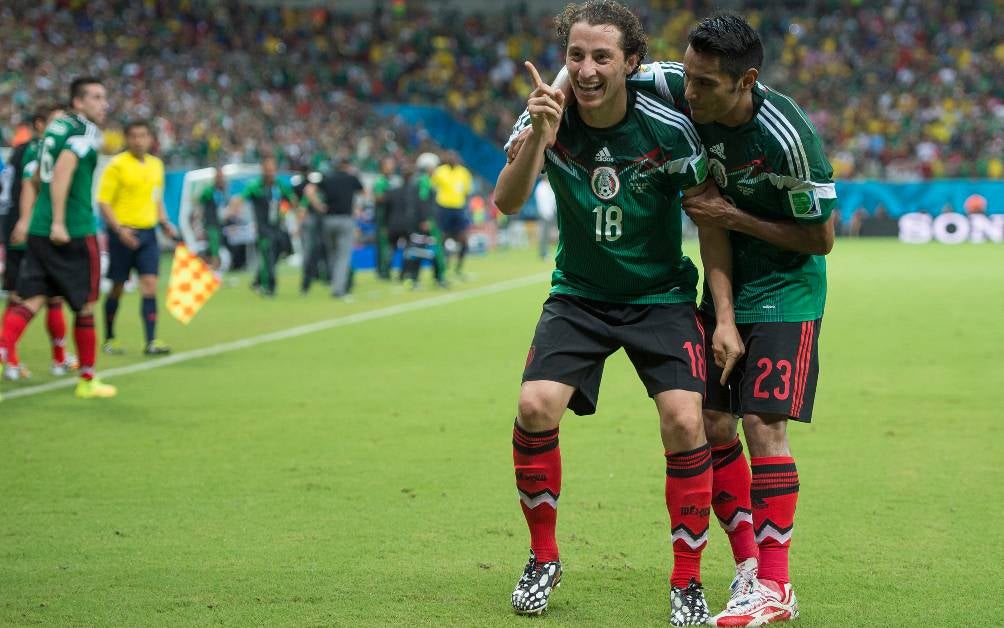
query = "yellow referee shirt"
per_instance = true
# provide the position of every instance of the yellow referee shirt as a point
(132, 188)
(452, 184)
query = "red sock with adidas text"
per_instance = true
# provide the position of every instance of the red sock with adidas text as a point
(537, 459)
(774, 494)
(688, 498)
(730, 498)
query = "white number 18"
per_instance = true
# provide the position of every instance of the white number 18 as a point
(608, 223)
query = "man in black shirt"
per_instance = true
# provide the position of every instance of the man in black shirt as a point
(334, 199)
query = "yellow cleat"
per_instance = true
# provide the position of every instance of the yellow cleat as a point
(95, 389)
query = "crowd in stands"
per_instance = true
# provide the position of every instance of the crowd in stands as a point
(909, 89)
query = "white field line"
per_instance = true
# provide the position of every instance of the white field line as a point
(292, 332)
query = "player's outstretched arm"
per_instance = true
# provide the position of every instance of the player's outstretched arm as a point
(808, 238)
(517, 179)
(716, 254)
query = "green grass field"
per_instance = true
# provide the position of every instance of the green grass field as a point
(362, 474)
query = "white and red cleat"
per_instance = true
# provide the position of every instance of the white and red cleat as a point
(768, 603)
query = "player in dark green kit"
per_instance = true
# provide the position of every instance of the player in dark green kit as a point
(778, 193)
(268, 195)
(618, 162)
(62, 257)
(24, 190)
(211, 202)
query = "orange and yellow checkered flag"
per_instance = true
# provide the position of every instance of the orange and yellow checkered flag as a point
(192, 283)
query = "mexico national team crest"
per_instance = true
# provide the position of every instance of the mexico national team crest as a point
(718, 172)
(605, 183)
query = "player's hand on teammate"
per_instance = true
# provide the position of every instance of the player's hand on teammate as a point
(20, 233)
(727, 346)
(709, 209)
(127, 237)
(545, 105)
(58, 234)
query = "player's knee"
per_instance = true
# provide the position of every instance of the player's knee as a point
(537, 413)
(721, 427)
(766, 435)
(682, 424)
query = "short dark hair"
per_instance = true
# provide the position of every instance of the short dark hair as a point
(730, 38)
(42, 112)
(135, 124)
(595, 12)
(79, 85)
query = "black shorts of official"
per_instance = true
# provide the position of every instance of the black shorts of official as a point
(777, 374)
(575, 336)
(121, 259)
(71, 271)
(12, 268)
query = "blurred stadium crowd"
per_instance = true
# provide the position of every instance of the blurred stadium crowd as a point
(910, 90)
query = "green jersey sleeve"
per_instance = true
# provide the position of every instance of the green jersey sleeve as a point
(687, 165)
(802, 173)
(662, 78)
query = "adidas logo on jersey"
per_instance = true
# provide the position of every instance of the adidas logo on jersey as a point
(604, 155)
(719, 149)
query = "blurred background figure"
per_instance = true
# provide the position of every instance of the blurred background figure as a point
(385, 182)
(453, 184)
(336, 198)
(270, 199)
(210, 205)
(547, 214)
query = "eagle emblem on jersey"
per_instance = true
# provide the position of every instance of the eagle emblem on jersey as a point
(605, 183)
(718, 172)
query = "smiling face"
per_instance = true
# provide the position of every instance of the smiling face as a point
(598, 70)
(713, 95)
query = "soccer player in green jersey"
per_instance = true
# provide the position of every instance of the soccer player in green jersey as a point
(270, 198)
(778, 195)
(22, 198)
(211, 203)
(62, 256)
(618, 162)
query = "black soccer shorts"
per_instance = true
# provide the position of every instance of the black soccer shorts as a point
(12, 268)
(71, 271)
(777, 374)
(575, 336)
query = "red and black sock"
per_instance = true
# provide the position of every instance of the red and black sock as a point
(688, 498)
(15, 320)
(86, 339)
(731, 498)
(537, 459)
(56, 325)
(774, 493)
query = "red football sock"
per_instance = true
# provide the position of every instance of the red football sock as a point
(774, 493)
(86, 339)
(731, 498)
(57, 331)
(688, 498)
(15, 319)
(537, 459)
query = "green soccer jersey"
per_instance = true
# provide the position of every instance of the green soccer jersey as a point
(618, 194)
(78, 134)
(772, 167)
(29, 166)
(266, 202)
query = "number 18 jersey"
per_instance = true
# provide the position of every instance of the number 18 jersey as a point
(618, 193)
